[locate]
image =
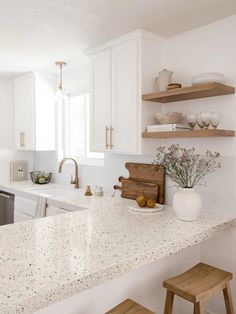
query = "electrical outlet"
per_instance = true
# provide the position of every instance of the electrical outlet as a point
(19, 170)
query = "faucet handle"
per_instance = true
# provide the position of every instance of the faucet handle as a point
(71, 180)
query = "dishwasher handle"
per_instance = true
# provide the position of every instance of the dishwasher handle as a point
(5, 195)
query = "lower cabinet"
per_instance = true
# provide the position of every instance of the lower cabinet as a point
(19, 216)
(53, 210)
(24, 208)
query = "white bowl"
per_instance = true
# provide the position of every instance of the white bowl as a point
(171, 117)
(208, 78)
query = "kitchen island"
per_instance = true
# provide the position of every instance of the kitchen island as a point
(46, 260)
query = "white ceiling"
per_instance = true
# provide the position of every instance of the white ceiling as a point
(35, 33)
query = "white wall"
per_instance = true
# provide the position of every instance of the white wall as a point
(209, 48)
(7, 152)
(212, 48)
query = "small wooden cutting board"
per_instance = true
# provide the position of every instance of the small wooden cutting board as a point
(131, 189)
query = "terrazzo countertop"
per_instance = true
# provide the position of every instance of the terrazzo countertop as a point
(46, 260)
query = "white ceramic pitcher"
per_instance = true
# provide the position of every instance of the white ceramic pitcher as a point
(164, 79)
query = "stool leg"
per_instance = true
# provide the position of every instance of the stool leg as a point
(228, 299)
(198, 308)
(169, 302)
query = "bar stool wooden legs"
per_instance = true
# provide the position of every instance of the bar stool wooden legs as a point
(198, 308)
(169, 302)
(198, 285)
(228, 299)
(129, 307)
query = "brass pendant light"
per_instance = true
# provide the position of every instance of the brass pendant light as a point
(61, 97)
(60, 64)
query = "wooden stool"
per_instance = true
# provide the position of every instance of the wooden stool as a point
(129, 307)
(197, 285)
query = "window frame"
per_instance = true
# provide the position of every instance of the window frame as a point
(89, 158)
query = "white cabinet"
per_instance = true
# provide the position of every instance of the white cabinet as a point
(19, 216)
(53, 210)
(120, 72)
(34, 100)
(25, 205)
(114, 98)
(126, 97)
(100, 98)
(24, 208)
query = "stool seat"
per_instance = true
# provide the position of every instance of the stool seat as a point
(129, 307)
(199, 282)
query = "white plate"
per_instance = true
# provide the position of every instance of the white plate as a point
(208, 78)
(146, 210)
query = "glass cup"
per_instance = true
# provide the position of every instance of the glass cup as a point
(215, 119)
(199, 121)
(205, 118)
(191, 119)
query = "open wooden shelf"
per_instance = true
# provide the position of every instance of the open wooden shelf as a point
(190, 133)
(190, 92)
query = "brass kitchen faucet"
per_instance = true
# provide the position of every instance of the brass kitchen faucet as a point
(74, 181)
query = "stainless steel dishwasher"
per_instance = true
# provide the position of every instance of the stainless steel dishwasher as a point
(6, 208)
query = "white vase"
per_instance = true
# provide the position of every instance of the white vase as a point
(187, 204)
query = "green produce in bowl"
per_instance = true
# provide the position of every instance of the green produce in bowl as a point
(42, 180)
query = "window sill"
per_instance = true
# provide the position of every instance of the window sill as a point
(92, 162)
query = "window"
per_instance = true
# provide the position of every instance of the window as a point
(76, 125)
(74, 121)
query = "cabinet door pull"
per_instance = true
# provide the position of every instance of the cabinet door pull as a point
(111, 129)
(22, 139)
(107, 130)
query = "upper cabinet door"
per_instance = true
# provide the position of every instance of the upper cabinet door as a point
(100, 101)
(34, 101)
(125, 97)
(24, 98)
(45, 127)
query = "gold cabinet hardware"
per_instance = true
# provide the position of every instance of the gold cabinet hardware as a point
(111, 129)
(107, 130)
(22, 139)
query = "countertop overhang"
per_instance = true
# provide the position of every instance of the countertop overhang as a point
(50, 259)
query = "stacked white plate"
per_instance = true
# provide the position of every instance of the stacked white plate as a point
(208, 78)
(146, 210)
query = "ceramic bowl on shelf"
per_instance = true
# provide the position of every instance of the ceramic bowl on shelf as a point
(171, 117)
(210, 77)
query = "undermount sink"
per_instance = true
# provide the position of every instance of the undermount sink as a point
(55, 191)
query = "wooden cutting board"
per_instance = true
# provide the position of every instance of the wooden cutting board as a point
(143, 178)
